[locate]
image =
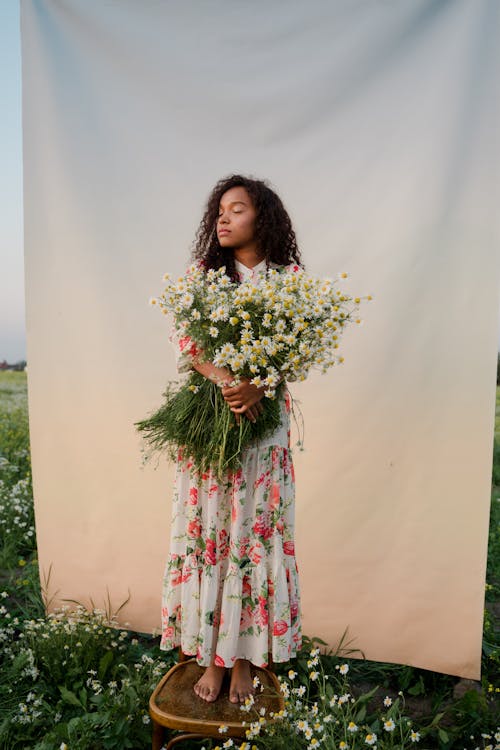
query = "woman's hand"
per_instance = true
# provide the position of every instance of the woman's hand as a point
(245, 399)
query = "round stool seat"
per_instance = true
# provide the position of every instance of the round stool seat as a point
(175, 705)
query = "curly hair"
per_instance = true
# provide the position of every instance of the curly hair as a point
(273, 228)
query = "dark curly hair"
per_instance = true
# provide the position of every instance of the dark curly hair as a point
(273, 228)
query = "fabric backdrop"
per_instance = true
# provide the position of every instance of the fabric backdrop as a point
(375, 122)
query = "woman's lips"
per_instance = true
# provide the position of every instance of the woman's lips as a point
(224, 231)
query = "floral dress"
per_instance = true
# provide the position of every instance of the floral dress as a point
(230, 587)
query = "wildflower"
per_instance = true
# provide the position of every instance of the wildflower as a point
(292, 675)
(145, 719)
(352, 727)
(344, 669)
(371, 739)
(343, 745)
(228, 743)
(223, 728)
(414, 736)
(256, 681)
(313, 676)
(387, 701)
(389, 725)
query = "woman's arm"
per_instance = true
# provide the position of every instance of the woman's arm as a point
(190, 356)
(218, 375)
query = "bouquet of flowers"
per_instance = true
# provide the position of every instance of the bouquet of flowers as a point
(269, 333)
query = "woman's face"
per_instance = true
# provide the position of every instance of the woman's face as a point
(236, 220)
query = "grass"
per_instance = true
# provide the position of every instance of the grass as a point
(76, 680)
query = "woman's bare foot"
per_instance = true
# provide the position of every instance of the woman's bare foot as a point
(209, 685)
(241, 686)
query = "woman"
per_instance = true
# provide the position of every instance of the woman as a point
(230, 591)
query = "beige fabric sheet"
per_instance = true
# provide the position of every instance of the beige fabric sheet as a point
(375, 122)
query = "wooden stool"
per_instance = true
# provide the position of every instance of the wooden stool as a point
(175, 705)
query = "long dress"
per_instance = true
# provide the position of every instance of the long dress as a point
(231, 587)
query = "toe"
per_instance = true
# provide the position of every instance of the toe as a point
(233, 697)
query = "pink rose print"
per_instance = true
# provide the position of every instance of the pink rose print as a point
(169, 631)
(280, 627)
(194, 528)
(223, 543)
(187, 343)
(176, 578)
(213, 489)
(255, 555)
(238, 479)
(193, 496)
(270, 587)
(263, 613)
(219, 661)
(243, 547)
(246, 587)
(260, 480)
(275, 496)
(289, 548)
(294, 610)
(288, 405)
(261, 526)
(210, 547)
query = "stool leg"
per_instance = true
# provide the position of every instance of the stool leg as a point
(185, 736)
(158, 736)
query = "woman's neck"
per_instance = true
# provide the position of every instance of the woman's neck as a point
(249, 257)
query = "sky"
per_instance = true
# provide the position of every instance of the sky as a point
(12, 313)
(12, 323)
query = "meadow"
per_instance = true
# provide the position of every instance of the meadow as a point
(76, 680)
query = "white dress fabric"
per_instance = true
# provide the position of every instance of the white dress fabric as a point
(230, 587)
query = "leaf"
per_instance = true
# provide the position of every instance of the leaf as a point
(69, 697)
(443, 736)
(366, 696)
(436, 719)
(361, 714)
(104, 663)
(83, 697)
